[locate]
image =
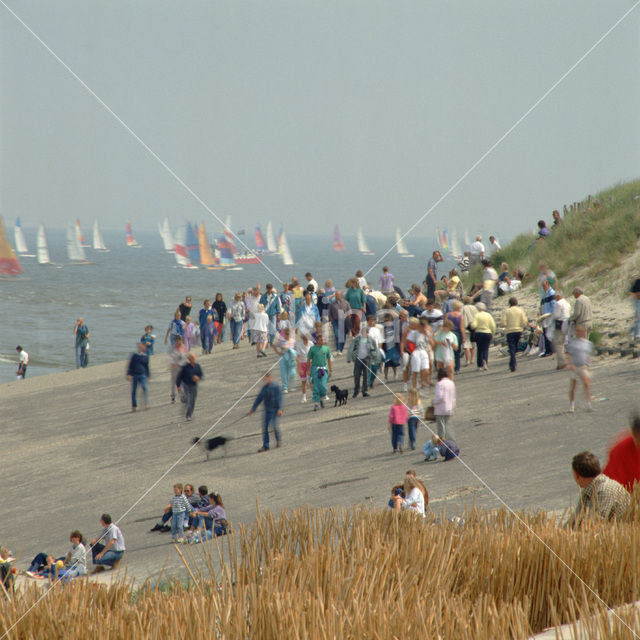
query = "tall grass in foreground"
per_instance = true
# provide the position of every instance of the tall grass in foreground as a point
(359, 573)
(596, 239)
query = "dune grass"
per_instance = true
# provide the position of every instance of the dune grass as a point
(596, 239)
(360, 573)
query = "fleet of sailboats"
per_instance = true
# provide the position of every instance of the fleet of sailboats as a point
(98, 242)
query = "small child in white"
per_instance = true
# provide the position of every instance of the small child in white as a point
(431, 450)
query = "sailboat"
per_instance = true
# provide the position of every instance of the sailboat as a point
(240, 258)
(207, 259)
(165, 234)
(261, 245)
(180, 249)
(226, 252)
(75, 251)
(401, 247)
(98, 242)
(192, 246)
(21, 243)
(79, 235)
(287, 259)
(43, 247)
(467, 242)
(338, 245)
(363, 247)
(271, 243)
(455, 246)
(438, 238)
(131, 241)
(9, 263)
(445, 240)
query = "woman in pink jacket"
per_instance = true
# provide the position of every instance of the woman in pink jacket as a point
(444, 402)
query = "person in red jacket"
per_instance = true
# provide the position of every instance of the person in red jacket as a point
(624, 457)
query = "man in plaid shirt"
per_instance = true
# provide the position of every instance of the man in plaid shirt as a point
(599, 496)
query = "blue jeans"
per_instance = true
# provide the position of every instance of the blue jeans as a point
(287, 365)
(236, 330)
(373, 369)
(273, 322)
(512, 341)
(413, 427)
(141, 380)
(456, 352)
(190, 392)
(397, 435)
(109, 558)
(81, 356)
(270, 418)
(340, 334)
(177, 524)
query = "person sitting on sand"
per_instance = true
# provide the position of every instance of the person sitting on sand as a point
(109, 547)
(414, 499)
(214, 519)
(432, 448)
(70, 566)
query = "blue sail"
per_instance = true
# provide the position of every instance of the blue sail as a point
(193, 245)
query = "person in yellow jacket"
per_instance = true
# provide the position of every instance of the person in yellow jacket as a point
(484, 326)
(514, 320)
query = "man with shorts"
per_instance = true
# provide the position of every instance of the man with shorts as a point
(579, 352)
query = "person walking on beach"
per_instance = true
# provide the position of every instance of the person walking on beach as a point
(188, 379)
(397, 417)
(202, 319)
(579, 352)
(109, 547)
(484, 326)
(220, 309)
(339, 311)
(236, 318)
(285, 347)
(560, 318)
(177, 359)
(581, 314)
(148, 339)
(320, 367)
(81, 332)
(190, 333)
(444, 403)
(357, 299)
(476, 251)
(273, 309)
(259, 332)
(548, 307)
(175, 329)
(271, 396)
(185, 309)
(23, 362)
(514, 320)
(138, 374)
(432, 273)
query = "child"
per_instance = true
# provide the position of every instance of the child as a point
(189, 336)
(148, 339)
(431, 449)
(397, 418)
(209, 332)
(446, 342)
(579, 352)
(179, 507)
(302, 349)
(415, 410)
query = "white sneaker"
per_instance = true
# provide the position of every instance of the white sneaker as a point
(404, 387)
(572, 408)
(285, 391)
(326, 397)
(304, 397)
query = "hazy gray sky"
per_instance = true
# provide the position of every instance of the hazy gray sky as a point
(315, 113)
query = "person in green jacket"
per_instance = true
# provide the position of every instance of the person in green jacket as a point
(319, 363)
(356, 298)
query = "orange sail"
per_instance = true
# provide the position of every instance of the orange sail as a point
(9, 264)
(207, 259)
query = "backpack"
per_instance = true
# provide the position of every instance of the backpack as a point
(449, 450)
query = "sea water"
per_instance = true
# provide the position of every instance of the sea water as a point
(128, 288)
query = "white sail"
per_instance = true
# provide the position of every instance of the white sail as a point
(363, 247)
(455, 245)
(165, 234)
(21, 243)
(75, 252)
(401, 246)
(467, 242)
(271, 243)
(287, 259)
(180, 248)
(438, 238)
(98, 242)
(43, 247)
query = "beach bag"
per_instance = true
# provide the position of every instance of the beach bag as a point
(449, 450)
(410, 346)
(430, 414)
(321, 371)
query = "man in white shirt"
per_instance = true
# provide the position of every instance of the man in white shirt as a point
(23, 361)
(108, 548)
(494, 245)
(476, 250)
(311, 281)
(560, 316)
(376, 335)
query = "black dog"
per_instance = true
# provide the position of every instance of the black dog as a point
(209, 444)
(341, 395)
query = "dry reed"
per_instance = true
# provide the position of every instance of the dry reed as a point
(361, 573)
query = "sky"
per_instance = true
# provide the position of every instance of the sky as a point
(360, 113)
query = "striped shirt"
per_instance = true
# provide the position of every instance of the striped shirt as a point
(179, 504)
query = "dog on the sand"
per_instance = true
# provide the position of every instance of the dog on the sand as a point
(211, 444)
(341, 395)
